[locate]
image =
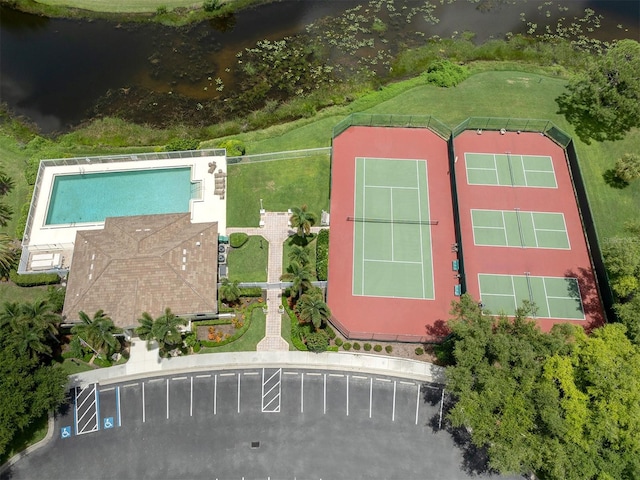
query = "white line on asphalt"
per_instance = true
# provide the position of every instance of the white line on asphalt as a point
(130, 385)
(325, 394)
(393, 410)
(358, 376)
(154, 380)
(143, 408)
(118, 407)
(251, 373)
(238, 393)
(291, 373)
(204, 376)
(191, 400)
(347, 395)
(302, 393)
(406, 383)
(227, 374)
(336, 375)
(314, 374)
(417, 403)
(167, 399)
(179, 378)
(107, 389)
(370, 396)
(383, 380)
(215, 394)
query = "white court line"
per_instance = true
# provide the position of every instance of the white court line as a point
(524, 171)
(535, 234)
(546, 296)
(504, 228)
(515, 300)
(364, 182)
(391, 261)
(391, 187)
(424, 293)
(489, 169)
(392, 227)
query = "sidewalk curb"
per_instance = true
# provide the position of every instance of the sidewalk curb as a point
(27, 451)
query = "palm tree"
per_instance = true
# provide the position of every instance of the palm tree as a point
(40, 315)
(300, 276)
(7, 254)
(10, 314)
(6, 213)
(312, 309)
(97, 332)
(28, 340)
(302, 220)
(163, 329)
(299, 254)
(6, 183)
(229, 291)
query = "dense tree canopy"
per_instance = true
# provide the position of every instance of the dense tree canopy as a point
(563, 404)
(603, 102)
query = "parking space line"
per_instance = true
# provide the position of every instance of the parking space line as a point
(383, 380)
(402, 382)
(336, 375)
(191, 400)
(130, 385)
(227, 374)
(179, 378)
(441, 407)
(167, 399)
(417, 403)
(370, 396)
(314, 374)
(347, 395)
(215, 394)
(119, 415)
(359, 376)
(204, 376)
(302, 393)
(144, 417)
(291, 373)
(107, 389)
(324, 410)
(251, 373)
(393, 409)
(238, 393)
(155, 380)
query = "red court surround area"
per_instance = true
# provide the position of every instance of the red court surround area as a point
(575, 262)
(375, 318)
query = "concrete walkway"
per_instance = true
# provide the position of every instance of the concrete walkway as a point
(275, 229)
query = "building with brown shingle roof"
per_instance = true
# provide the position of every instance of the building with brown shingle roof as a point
(144, 264)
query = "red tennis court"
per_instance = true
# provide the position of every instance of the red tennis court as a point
(390, 315)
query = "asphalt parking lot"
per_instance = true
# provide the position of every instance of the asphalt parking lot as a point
(250, 424)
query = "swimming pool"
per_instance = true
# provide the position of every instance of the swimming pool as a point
(92, 197)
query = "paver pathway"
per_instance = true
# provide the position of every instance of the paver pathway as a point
(275, 230)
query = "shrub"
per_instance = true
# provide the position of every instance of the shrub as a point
(332, 348)
(367, 347)
(443, 73)
(388, 349)
(322, 254)
(330, 332)
(250, 292)
(22, 221)
(377, 348)
(33, 279)
(211, 5)
(356, 346)
(338, 341)
(180, 144)
(419, 351)
(238, 239)
(628, 167)
(346, 346)
(234, 147)
(317, 341)
(161, 10)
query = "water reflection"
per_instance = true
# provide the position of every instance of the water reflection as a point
(54, 71)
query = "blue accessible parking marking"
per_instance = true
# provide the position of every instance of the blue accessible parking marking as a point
(65, 432)
(107, 422)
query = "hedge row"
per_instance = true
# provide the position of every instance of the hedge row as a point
(297, 342)
(322, 254)
(33, 279)
(238, 239)
(250, 292)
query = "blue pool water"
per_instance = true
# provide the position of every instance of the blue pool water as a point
(92, 197)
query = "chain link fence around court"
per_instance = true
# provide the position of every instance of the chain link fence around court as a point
(286, 155)
(382, 120)
(545, 127)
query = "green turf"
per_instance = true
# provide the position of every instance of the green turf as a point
(247, 342)
(13, 161)
(130, 6)
(391, 258)
(249, 262)
(9, 292)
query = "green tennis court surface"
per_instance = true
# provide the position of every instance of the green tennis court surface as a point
(510, 170)
(554, 297)
(515, 228)
(392, 230)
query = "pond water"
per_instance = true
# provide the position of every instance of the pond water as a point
(60, 72)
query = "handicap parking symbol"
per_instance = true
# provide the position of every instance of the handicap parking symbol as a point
(107, 422)
(65, 432)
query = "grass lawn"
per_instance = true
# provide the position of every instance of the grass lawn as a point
(247, 342)
(130, 6)
(10, 292)
(281, 184)
(311, 248)
(13, 162)
(71, 366)
(249, 262)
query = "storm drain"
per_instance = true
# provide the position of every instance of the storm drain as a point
(255, 444)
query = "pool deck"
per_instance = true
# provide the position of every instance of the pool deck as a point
(50, 247)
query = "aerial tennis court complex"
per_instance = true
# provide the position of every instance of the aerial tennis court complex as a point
(419, 217)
